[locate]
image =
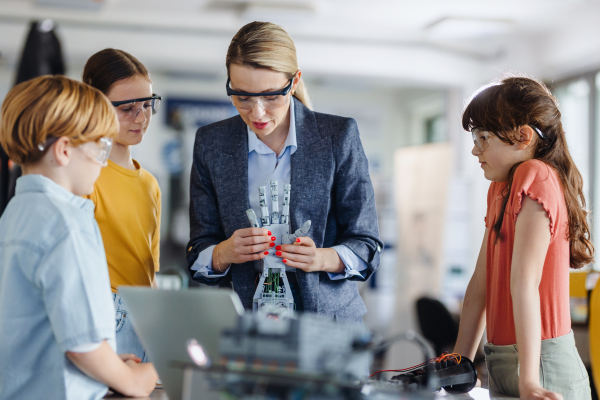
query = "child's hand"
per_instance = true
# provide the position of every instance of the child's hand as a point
(132, 357)
(144, 378)
(539, 393)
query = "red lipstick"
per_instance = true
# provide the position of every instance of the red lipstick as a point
(260, 125)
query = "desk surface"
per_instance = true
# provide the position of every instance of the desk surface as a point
(475, 394)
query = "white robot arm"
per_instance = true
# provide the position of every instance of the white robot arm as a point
(273, 294)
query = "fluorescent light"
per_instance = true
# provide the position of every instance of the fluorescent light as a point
(283, 13)
(90, 5)
(467, 28)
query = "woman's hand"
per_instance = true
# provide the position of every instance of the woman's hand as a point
(244, 245)
(536, 392)
(304, 255)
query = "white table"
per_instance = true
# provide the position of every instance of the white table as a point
(475, 394)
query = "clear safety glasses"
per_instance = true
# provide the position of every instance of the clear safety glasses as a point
(268, 101)
(481, 137)
(98, 151)
(128, 110)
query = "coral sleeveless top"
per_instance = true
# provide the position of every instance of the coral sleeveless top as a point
(541, 183)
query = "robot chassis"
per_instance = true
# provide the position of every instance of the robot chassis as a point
(273, 294)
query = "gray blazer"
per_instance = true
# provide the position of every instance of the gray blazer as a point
(330, 186)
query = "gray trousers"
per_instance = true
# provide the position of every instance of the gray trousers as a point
(561, 369)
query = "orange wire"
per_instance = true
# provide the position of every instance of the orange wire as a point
(457, 357)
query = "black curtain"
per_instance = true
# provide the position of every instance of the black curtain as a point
(42, 55)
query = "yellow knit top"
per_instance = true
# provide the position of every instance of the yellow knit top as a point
(128, 214)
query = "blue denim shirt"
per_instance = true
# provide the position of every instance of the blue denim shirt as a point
(264, 165)
(54, 292)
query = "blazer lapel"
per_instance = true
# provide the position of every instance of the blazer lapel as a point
(231, 173)
(302, 162)
(303, 180)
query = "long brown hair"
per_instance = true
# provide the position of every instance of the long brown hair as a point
(109, 66)
(513, 102)
(266, 45)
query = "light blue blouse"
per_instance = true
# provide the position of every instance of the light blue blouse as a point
(54, 292)
(263, 166)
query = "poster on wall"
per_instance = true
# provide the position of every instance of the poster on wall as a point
(194, 113)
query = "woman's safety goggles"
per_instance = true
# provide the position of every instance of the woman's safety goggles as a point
(98, 151)
(481, 137)
(268, 100)
(128, 110)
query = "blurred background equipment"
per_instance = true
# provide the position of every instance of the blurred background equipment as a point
(437, 324)
(402, 69)
(307, 356)
(42, 55)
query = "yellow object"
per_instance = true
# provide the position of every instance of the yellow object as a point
(595, 335)
(128, 214)
(577, 284)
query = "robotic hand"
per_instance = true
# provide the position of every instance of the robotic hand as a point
(273, 295)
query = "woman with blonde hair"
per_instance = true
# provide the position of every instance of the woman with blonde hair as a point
(278, 137)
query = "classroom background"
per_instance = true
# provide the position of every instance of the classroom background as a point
(402, 69)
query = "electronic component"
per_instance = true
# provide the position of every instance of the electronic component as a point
(252, 218)
(285, 212)
(274, 203)
(264, 210)
(300, 232)
(273, 295)
(452, 372)
(308, 343)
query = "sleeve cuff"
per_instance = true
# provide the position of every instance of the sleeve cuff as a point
(86, 347)
(88, 338)
(353, 263)
(203, 265)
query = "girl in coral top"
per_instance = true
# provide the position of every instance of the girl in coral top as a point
(536, 229)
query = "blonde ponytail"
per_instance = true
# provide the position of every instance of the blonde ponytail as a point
(302, 94)
(266, 45)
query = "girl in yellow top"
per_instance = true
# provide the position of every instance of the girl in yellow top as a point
(127, 197)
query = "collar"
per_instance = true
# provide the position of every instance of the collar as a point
(33, 183)
(254, 144)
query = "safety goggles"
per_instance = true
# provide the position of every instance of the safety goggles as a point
(268, 101)
(98, 151)
(481, 137)
(128, 110)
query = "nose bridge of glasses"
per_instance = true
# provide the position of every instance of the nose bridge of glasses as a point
(136, 107)
(480, 139)
(258, 101)
(144, 113)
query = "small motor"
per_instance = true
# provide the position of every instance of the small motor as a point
(452, 372)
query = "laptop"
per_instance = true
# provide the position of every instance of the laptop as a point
(165, 320)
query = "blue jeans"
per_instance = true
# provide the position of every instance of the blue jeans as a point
(127, 340)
